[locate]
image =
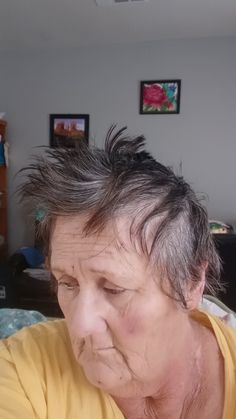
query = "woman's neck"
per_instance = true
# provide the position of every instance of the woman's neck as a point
(193, 383)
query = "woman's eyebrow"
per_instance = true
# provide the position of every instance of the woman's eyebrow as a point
(114, 275)
(106, 272)
(101, 271)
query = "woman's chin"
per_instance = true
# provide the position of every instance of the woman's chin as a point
(106, 377)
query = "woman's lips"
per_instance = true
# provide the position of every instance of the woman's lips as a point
(106, 348)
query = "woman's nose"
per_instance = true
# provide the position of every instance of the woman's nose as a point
(88, 315)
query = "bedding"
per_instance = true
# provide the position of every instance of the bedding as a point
(12, 319)
(214, 306)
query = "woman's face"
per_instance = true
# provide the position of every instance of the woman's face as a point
(125, 331)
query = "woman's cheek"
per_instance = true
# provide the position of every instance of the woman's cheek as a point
(133, 325)
(131, 321)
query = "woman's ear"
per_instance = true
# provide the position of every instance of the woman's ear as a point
(195, 293)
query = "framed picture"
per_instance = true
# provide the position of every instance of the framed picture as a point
(160, 97)
(67, 129)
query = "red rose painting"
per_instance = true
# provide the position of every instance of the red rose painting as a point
(160, 96)
(154, 95)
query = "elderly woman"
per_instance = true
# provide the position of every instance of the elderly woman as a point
(128, 245)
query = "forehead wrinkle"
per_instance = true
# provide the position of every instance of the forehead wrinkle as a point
(106, 243)
(79, 238)
(86, 250)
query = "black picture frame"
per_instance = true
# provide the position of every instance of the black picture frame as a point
(158, 97)
(67, 129)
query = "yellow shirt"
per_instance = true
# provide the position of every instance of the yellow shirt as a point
(39, 377)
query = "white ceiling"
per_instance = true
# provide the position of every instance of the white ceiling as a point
(72, 23)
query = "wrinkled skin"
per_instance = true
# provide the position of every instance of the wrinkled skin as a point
(126, 333)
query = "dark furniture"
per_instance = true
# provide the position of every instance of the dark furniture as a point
(35, 294)
(7, 286)
(226, 245)
(30, 292)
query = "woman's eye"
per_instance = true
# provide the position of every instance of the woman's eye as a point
(114, 291)
(68, 286)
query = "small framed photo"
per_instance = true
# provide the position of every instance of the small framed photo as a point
(67, 129)
(160, 97)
